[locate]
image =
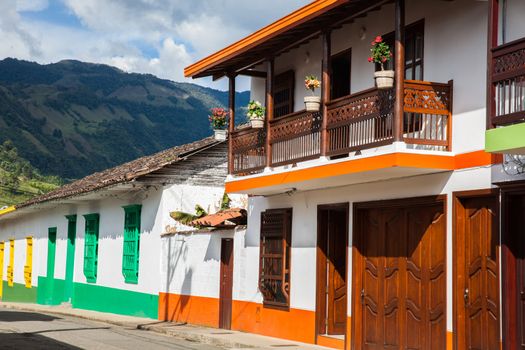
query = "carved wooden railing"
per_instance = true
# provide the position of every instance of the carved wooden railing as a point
(295, 138)
(428, 114)
(508, 83)
(248, 150)
(360, 121)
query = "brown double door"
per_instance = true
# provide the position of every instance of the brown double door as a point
(226, 280)
(513, 268)
(332, 238)
(400, 275)
(477, 276)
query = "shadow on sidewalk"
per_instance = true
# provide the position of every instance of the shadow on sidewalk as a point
(32, 341)
(21, 316)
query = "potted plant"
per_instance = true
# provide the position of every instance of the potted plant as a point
(312, 103)
(256, 114)
(381, 54)
(218, 121)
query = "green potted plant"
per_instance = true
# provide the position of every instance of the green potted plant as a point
(312, 103)
(218, 120)
(256, 114)
(381, 54)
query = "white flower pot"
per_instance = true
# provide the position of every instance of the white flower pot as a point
(384, 79)
(257, 123)
(312, 103)
(220, 134)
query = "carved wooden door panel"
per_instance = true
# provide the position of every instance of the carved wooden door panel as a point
(337, 290)
(481, 271)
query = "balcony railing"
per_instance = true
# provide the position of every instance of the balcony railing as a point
(508, 83)
(356, 122)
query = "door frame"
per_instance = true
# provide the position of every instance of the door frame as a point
(456, 294)
(231, 241)
(508, 267)
(321, 260)
(357, 258)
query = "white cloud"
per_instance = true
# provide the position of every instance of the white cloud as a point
(31, 5)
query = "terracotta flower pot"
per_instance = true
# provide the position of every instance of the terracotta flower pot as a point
(257, 123)
(312, 103)
(220, 134)
(384, 79)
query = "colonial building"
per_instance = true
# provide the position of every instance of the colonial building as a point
(374, 222)
(107, 242)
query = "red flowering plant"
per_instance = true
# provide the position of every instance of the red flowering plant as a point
(218, 118)
(381, 52)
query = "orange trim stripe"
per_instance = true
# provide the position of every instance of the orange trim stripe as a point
(286, 23)
(410, 160)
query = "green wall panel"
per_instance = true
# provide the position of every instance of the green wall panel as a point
(508, 139)
(50, 291)
(117, 301)
(19, 293)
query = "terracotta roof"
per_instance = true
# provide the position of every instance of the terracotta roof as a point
(123, 173)
(236, 215)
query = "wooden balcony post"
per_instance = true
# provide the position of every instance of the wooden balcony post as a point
(399, 53)
(325, 88)
(492, 42)
(269, 108)
(231, 122)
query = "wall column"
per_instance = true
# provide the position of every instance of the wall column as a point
(492, 42)
(325, 89)
(270, 67)
(231, 121)
(399, 53)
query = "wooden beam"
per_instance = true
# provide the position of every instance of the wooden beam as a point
(252, 73)
(325, 88)
(218, 76)
(270, 67)
(492, 42)
(231, 122)
(399, 69)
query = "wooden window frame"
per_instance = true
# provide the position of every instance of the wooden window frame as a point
(28, 267)
(131, 244)
(285, 232)
(91, 255)
(283, 81)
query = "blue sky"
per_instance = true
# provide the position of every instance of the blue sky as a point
(160, 37)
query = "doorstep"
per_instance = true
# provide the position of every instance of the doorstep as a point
(218, 337)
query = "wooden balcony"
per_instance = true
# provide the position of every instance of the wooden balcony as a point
(354, 123)
(507, 68)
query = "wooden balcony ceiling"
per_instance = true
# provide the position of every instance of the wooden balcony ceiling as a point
(283, 35)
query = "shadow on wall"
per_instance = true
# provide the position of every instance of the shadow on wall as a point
(213, 251)
(177, 252)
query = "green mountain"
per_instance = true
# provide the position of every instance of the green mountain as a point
(19, 181)
(72, 118)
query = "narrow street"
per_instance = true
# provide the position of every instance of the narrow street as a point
(29, 330)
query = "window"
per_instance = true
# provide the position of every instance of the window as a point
(340, 75)
(283, 94)
(28, 268)
(91, 247)
(130, 257)
(11, 266)
(275, 251)
(414, 40)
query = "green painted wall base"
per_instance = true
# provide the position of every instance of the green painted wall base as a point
(117, 301)
(50, 291)
(509, 139)
(19, 293)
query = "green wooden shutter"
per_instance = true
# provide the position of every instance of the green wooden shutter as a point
(91, 247)
(130, 256)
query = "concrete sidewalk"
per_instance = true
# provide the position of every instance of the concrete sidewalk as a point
(217, 337)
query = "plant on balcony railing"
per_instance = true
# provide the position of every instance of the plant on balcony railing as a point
(256, 114)
(312, 103)
(381, 54)
(219, 120)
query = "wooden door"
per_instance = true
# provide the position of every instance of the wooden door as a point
(331, 310)
(2, 248)
(477, 292)
(513, 269)
(400, 275)
(70, 257)
(226, 280)
(51, 251)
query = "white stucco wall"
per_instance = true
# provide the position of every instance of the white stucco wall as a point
(304, 229)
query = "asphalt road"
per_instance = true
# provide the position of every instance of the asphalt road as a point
(22, 330)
